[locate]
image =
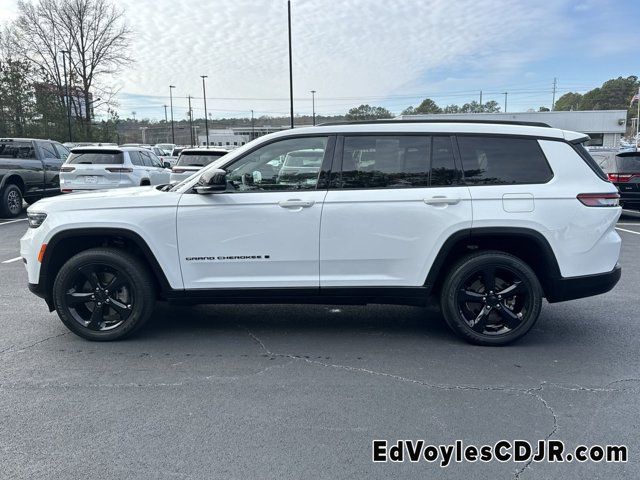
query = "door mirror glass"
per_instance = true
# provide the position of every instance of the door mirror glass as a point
(212, 181)
(167, 165)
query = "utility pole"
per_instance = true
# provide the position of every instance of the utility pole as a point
(638, 123)
(206, 122)
(165, 113)
(290, 62)
(313, 105)
(173, 134)
(253, 128)
(190, 120)
(66, 87)
(481, 101)
(553, 101)
(505, 101)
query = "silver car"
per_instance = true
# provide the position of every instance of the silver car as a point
(193, 159)
(99, 168)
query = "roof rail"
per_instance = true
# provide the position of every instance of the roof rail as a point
(444, 120)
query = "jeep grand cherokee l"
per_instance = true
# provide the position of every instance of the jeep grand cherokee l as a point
(489, 217)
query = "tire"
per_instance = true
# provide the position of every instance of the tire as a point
(83, 283)
(11, 201)
(491, 316)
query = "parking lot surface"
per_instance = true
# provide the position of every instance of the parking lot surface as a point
(301, 391)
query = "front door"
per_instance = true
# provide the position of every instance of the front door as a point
(263, 232)
(391, 207)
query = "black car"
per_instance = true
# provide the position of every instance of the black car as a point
(623, 169)
(29, 170)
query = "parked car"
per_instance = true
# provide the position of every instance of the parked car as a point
(623, 169)
(490, 218)
(29, 170)
(193, 159)
(167, 148)
(99, 168)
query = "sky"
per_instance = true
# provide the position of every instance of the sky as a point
(391, 53)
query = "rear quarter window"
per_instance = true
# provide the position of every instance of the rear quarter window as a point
(503, 160)
(17, 150)
(95, 158)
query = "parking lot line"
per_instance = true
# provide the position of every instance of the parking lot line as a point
(628, 231)
(14, 221)
(631, 223)
(11, 260)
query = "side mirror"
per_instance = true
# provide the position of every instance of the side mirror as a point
(167, 165)
(212, 181)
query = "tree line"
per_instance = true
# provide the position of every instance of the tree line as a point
(56, 61)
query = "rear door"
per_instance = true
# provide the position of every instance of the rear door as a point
(20, 157)
(52, 161)
(393, 201)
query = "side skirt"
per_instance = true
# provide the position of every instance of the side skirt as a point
(418, 296)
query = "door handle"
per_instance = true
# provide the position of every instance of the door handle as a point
(295, 203)
(442, 200)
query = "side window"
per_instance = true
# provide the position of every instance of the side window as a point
(443, 167)
(48, 150)
(146, 158)
(503, 160)
(155, 160)
(63, 152)
(18, 150)
(135, 157)
(385, 161)
(291, 164)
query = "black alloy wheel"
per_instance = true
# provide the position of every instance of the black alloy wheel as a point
(104, 294)
(491, 298)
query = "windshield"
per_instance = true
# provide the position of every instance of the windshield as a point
(96, 158)
(198, 159)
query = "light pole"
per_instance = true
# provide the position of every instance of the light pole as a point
(253, 128)
(290, 62)
(505, 101)
(66, 87)
(173, 134)
(313, 105)
(190, 120)
(206, 122)
(165, 113)
(143, 129)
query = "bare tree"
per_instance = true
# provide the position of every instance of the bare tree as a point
(95, 34)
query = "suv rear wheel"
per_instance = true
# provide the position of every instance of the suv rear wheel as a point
(491, 298)
(103, 294)
(10, 201)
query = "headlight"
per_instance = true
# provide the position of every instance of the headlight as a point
(35, 219)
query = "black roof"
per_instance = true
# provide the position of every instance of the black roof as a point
(444, 120)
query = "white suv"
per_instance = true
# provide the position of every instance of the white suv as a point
(99, 168)
(488, 217)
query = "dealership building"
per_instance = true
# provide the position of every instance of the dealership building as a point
(605, 127)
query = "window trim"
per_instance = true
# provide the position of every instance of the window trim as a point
(519, 137)
(326, 160)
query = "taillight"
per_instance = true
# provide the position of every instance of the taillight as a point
(622, 177)
(119, 169)
(67, 169)
(599, 199)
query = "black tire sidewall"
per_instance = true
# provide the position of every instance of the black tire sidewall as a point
(462, 270)
(144, 295)
(4, 198)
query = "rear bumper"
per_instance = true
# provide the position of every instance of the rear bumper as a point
(570, 288)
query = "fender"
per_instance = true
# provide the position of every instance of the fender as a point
(133, 237)
(8, 174)
(551, 268)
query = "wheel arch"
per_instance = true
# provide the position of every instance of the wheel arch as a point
(13, 178)
(527, 244)
(65, 244)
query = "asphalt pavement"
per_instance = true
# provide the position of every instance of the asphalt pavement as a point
(252, 392)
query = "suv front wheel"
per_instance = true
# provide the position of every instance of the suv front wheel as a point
(103, 294)
(491, 298)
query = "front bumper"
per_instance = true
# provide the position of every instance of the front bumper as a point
(571, 288)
